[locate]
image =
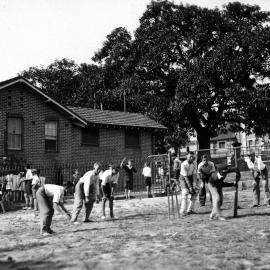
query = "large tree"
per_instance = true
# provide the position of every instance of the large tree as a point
(205, 62)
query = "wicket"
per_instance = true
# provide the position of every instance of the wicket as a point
(172, 202)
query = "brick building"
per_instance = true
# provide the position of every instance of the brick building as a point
(38, 130)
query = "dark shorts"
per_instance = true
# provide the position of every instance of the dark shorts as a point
(176, 174)
(148, 182)
(129, 185)
(27, 187)
(107, 190)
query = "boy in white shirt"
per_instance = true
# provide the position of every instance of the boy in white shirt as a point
(258, 169)
(147, 177)
(36, 183)
(188, 182)
(46, 205)
(109, 179)
(27, 189)
(86, 191)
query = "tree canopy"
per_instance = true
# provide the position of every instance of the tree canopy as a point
(190, 68)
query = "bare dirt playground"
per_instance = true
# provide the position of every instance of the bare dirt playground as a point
(141, 238)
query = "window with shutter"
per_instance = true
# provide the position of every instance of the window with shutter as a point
(14, 132)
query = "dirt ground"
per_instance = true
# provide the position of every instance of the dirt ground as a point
(141, 238)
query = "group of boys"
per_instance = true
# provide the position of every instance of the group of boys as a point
(193, 180)
(86, 193)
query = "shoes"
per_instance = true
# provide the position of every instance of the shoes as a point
(113, 217)
(45, 234)
(25, 208)
(51, 231)
(76, 223)
(103, 217)
(87, 221)
(217, 218)
(183, 214)
(255, 205)
(191, 212)
(29, 208)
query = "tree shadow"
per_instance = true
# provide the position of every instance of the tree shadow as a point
(30, 265)
(249, 215)
(22, 247)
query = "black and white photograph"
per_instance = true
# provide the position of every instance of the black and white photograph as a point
(134, 135)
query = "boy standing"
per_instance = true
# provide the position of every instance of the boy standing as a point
(85, 192)
(36, 183)
(188, 181)
(109, 179)
(258, 169)
(147, 177)
(205, 169)
(46, 206)
(129, 169)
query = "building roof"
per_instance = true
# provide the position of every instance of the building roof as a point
(116, 118)
(221, 137)
(91, 116)
(20, 79)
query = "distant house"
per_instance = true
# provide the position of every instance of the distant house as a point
(36, 129)
(221, 145)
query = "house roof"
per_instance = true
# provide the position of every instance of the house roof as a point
(221, 137)
(86, 115)
(116, 118)
(20, 79)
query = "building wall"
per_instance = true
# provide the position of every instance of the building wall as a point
(111, 147)
(18, 100)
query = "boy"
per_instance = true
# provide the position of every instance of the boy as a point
(258, 169)
(27, 188)
(205, 169)
(129, 169)
(2, 190)
(109, 179)
(215, 184)
(147, 177)
(36, 183)
(85, 191)
(188, 182)
(46, 206)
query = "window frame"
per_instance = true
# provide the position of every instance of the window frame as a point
(220, 143)
(57, 136)
(95, 144)
(21, 135)
(129, 146)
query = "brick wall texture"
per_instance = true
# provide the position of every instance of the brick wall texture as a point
(20, 100)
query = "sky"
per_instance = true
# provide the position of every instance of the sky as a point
(36, 32)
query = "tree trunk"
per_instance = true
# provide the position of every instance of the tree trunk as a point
(203, 137)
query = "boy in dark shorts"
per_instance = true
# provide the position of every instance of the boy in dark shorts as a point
(129, 170)
(2, 190)
(27, 188)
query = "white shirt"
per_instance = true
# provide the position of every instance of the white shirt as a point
(146, 172)
(258, 164)
(29, 175)
(55, 191)
(188, 169)
(107, 177)
(89, 178)
(35, 180)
